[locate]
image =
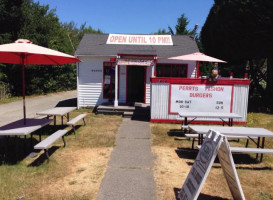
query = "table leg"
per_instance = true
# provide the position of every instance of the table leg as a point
(186, 121)
(25, 144)
(263, 140)
(31, 143)
(54, 120)
(16, 149)
(67, 117)
(199, 139)
(258, 146)
(62, 120)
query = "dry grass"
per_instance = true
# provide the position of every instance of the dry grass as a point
(74, 172)
(174, 159)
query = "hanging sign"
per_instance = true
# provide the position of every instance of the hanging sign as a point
(135, 62)
(200, 98)
(214, 144)
(139, 39)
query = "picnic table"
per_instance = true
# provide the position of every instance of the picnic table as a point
(220, 115)
(57, 111)
(235, 131)
(18, 128)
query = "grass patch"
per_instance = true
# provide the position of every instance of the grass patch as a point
(74, 172)
(174, 158)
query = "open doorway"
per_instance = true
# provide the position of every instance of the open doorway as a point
(135, 84)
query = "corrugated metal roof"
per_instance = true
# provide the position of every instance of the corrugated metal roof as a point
(95, 45)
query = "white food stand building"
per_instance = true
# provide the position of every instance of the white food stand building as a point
(123, 69)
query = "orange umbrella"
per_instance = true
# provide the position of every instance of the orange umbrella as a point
(23, 52)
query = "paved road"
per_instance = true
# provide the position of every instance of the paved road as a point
(14, 111)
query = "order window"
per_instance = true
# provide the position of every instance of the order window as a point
(171, 70)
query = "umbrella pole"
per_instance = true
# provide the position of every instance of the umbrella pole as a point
(23, 87)
(197, 69)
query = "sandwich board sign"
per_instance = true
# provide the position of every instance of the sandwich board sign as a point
(215, 143)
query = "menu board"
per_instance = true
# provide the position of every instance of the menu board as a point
(214, 144)
(200, 98)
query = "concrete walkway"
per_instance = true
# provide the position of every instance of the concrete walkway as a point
(129, 175)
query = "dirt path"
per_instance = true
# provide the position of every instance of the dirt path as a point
(14, 111)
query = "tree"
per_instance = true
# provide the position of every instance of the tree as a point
(75, 34)
(240, 31)
(26, 19)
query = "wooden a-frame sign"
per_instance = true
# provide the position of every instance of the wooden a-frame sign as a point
(215, 143)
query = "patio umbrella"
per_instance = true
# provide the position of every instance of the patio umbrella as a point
(24, 52)
(197, 56)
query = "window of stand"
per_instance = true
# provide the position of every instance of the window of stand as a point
(171, 70)
(109, 80)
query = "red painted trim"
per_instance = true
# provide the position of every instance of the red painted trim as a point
(137, 55)
(195, 81)
(194, 122)
(231, 102)
(103, 81)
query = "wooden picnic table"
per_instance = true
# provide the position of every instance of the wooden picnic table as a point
(57, 111)
(220, 115)
(235, 131)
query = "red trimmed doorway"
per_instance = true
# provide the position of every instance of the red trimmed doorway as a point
(136, 84)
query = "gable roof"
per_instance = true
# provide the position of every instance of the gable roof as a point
(95, 45)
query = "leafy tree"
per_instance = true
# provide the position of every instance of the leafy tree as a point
(240, 31)
(161, 32)
(37, 23)
(75, 34)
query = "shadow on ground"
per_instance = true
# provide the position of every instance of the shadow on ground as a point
(67, 103)
(176, 132)
(16, 149)
(188, 153)
(201, 196)
(43, 158)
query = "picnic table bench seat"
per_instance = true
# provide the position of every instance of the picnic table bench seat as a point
(247, 150)
(73, 121)
(193, 136)
(44, 144)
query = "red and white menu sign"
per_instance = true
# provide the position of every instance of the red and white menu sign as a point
(200, 98)
(139, 39)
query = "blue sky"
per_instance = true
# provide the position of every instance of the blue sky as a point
(130, 16)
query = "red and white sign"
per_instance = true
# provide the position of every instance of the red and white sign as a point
(139, 39)
(200, 98)
(135, 62)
